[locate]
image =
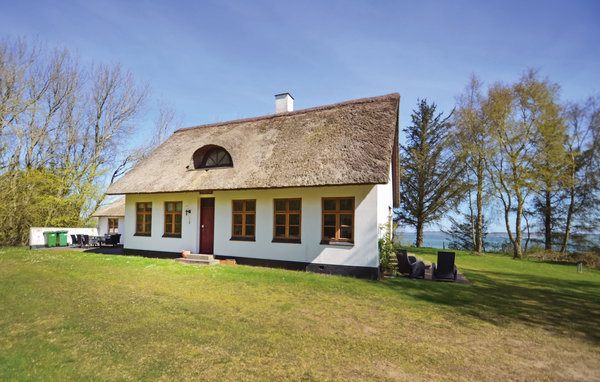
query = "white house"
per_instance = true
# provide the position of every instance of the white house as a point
(111, 218)
(306, 189)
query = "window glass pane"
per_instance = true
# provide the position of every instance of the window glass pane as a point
(250, 205)
(280, 219)
(294, 231)
(329, 204)
(346, 219)
(178, 206)
(329, 232)
(294, 219)
(280, 231)
(249, 230)
(139, 227)
(169, 207)
(250, 219)
(346, 233)
(168, 219)
(329, 219)
(140, 206)
(178, 228)
(237, 205)
(148, 226)
(168, 228)
(237, 230)
(148, 206)
(237, 219)
(346, 205)
(295, 205)
(280, 205)
(178, 219)
(140, 219)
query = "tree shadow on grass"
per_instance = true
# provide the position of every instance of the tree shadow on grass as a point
(562, 306)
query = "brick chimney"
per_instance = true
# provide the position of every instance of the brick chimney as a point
(284, 102)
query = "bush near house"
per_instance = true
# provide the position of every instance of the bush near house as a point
(72, 316)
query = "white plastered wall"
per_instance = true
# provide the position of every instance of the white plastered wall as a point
(371, 210)
(385, 201)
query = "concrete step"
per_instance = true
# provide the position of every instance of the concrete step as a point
(196, 261)
(198, 256)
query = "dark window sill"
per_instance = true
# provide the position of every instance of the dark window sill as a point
(172, 235)
(142, 234)
(234, 238)
(293, 241)
(338, 243)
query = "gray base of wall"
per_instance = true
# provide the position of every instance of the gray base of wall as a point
(330, 269)
(153, 254)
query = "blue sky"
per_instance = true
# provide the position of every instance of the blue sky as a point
(222, 60)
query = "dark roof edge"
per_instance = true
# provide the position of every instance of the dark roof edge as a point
(391, 96)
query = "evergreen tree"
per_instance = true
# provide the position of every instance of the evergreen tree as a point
(430, 175)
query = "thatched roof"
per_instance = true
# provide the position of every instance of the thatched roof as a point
(114, 209)
(341, 144)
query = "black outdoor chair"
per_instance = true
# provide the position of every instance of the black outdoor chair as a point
(80, 240)
(114, 239)
(445, 269)
(408, 265)
(85, 240)
(74, 240)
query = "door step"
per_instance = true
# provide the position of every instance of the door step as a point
(198, 259)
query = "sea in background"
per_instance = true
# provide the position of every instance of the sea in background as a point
(494, 240)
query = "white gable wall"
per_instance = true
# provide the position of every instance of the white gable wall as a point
(385, 201)
(364, 252)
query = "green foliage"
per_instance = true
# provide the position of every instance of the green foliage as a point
(386, 255)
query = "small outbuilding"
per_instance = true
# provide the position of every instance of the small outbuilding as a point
(111, 218)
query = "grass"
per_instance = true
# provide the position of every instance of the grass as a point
(70, 316)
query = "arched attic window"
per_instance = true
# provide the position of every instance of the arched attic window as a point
(211, 156)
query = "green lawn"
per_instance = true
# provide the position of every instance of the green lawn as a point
(71, 316)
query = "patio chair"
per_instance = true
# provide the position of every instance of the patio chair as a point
(80, 240)
(85, 242)
(93, 241)
(114, 239)
(409, 265)
(445, 269)
(74, 240)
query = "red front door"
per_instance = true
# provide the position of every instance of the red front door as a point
(207, 225)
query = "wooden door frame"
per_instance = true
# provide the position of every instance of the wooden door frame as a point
(199, 231)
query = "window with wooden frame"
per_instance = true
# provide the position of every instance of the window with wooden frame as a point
(173, 219)
(286, 220)
(113, 225)
(143, 219)
(337, 220)
(244, 220)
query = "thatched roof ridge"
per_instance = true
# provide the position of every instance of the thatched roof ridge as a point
(114, 209)
(346, 143)
(391, 96)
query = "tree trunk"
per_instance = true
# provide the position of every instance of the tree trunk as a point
(563, 248)
(547, 221)
(479, 227)
(518, 252)
(419, 242)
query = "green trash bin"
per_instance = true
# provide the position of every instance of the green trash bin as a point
(61, 238)
(50, 238)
